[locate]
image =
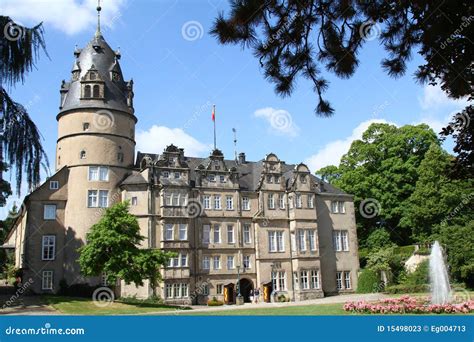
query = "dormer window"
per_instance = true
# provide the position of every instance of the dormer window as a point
(92, 85)
(92, 76)
(87, 91)
(303, 179)
(96, 91)
(115, 76)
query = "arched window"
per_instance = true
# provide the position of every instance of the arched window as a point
(87, 91)
(92, 76)
(83, 154)
(96, 91)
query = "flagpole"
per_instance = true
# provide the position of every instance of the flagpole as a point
(214, 117)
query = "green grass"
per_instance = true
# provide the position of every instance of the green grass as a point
(303, 310)
(85, 306)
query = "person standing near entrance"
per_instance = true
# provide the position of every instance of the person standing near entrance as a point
(257, 295)
(251, 294)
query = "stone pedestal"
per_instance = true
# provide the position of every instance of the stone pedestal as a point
(239, 300)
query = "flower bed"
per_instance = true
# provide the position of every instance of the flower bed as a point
(406, 304)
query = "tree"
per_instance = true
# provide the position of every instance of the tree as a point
(294, 38)
(20, 140)
(112, 248)
(379, 239)
(381, 170)
(329, 173)
(435, 195)
(458, 241)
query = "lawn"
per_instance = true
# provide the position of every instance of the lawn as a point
(85, 306)
(301, 310)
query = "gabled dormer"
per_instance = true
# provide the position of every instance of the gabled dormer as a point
(92, 85)
(271, 175)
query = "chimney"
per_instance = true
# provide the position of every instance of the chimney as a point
(242, 158)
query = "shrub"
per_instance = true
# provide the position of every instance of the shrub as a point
(379, 238)
(282, 298)
(420, 276)
(215, 302)
(368, 282)
(135, 300)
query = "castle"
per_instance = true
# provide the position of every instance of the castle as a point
(235, 225)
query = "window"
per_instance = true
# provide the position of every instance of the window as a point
(54, 185)
(48, 247)
(279, 281)
(82, 155)
(303, 178)
(120, 157)
(207, 202)
(217, 234)
(246, 261)
(175, 199)
(217, 202)
(229, 200)
(217, 262)
(167, 199)
(47, 280)
(87, 91)
(299, 203)
(165, 174)
(339, 280)
(169, 232)
(85, 126)
(342, 208)
(49, 212)
(347, 280)
(183, 231)
(92, 198)
(304, 280)
(176, 290)
(177, 175)
(205, 262)
(277, 179)
(245, 203)
(230, 234)
(205, 289)
(275, 241)
(271, 201)
(340, 240)
(96, 91)
(338, 207)
(247, 236)
(301, 240)
(184, 260)
(281, 201)
(315, 279)
(169, 291)
(219, 289)
(98, 173)
(312, 240)
(211, 178)
(230, 262)
(134, 200)
(206, 230)
(269, 179)
(222, 178)
(176, 261)
(184, 290)
(311, 201)
(103, 198)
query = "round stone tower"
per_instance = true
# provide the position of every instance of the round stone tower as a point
(96, 141)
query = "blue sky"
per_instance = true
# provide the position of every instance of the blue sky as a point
(179, 71)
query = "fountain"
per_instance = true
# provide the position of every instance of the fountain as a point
(439, 281)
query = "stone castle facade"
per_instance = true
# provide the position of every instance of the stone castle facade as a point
(235, 225)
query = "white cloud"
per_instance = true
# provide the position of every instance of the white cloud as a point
(280, 121)
(332, 152)
(156, 138)
(69, 16)
(434, 98)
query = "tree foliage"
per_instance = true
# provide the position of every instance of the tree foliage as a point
(112, 248)
(294, 38)
(20, 140)
(382, 168)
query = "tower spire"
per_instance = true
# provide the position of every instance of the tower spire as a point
(97, 32)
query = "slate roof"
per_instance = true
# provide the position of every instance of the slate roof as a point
(249, 172)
